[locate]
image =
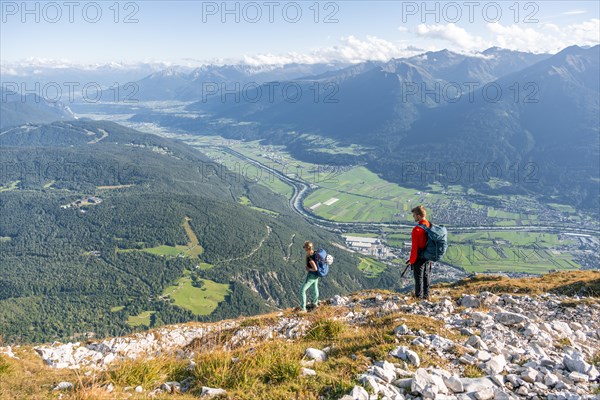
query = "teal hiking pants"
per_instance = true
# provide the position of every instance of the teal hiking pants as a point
(311, 280)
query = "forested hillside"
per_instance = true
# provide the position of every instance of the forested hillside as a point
(95, 223)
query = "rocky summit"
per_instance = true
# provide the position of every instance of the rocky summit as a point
(366, 346)
(521, 347)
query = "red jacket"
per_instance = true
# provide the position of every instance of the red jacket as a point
(419, 240)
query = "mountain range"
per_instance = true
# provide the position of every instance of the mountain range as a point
(39, 71)
(17, 109)
(173, 84)
(532, 117)
(372, 98)
(510, 109)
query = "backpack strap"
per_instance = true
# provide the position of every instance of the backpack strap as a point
(425, 228)
(317, 259)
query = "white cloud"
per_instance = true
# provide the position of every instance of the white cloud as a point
(515, 37)
(37, 65)
(587, 32)
(547, 38)
(574, 12)
(8, 71)
(453, 34)
(552, 27)
(543, 37)
(280, 59)
(351, 49)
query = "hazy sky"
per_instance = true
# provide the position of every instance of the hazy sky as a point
(191, 32)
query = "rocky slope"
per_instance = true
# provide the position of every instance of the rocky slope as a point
(456, 346)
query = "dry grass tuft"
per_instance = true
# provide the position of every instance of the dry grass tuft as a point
(595, 359)
(473, 371)
(562, 343)
(325, 329)
(146, 372)
(5, 365)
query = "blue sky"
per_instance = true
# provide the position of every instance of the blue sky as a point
(192, 32)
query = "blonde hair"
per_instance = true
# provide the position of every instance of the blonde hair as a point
(308, 245)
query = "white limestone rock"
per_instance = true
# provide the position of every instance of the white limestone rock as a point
(401, 330)
(63, 386)
(510, 318)
(315, 354)
(469, 301)
(212, 392)
(495, 365)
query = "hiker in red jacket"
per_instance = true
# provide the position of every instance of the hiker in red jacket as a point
(419, 265)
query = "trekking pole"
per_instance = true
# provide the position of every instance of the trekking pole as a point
(405, 269)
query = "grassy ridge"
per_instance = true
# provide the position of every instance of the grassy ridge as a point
(271, 369)
(586, 283)
(266, 370)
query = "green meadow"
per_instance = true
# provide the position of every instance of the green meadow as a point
(142, 318)
(370, 267)
(200, 301)
(245, 201)
(192, 249)
(10, 186)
